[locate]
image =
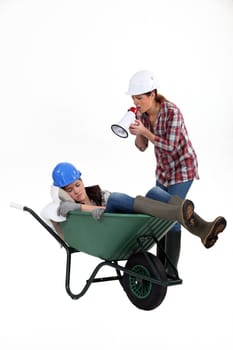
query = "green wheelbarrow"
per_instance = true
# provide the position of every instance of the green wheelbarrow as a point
(121, 241)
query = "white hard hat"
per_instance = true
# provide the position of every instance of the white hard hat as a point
(142, 82)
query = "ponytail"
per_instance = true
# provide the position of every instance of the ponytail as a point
(158, 98)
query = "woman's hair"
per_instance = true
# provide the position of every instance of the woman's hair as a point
(94, 193)
(158, 98)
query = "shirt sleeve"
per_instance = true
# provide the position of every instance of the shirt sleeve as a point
(105, 195)
(169, 129)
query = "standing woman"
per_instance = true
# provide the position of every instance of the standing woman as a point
(161, 123)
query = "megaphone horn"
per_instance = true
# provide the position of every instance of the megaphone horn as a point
(122, 127)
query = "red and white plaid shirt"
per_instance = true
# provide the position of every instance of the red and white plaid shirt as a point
(175, 155)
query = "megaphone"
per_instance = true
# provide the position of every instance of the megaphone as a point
(122, 127)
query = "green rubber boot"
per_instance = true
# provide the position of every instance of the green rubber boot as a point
(161, 250)
(181, 212)
(206, 231)
(170, 245)
(172, 250)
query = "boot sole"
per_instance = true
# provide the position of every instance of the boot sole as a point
(218, 226)
(187, 211)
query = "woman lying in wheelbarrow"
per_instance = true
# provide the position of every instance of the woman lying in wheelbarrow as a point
(73, 195)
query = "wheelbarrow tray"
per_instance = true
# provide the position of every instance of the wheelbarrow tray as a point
(114, 236)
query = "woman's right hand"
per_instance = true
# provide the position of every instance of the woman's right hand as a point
(98, 212)
(137, 128)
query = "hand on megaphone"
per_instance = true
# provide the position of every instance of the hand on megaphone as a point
(136, 127)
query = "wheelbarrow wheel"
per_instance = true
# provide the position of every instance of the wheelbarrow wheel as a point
(144, 294)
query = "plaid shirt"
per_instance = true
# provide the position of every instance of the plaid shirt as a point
(175, 155)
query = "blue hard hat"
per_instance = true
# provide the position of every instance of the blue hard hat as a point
(64, 174)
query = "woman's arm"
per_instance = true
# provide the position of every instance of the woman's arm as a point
(141, 143)
(142, 135)
(66, 206)
(89, 208)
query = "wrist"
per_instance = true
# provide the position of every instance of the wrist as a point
(149, 135)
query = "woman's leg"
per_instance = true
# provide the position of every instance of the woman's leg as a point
(176, 209)
(181, 189)
(171, 243)
(159, 194)
(120, 203)
(123, 203)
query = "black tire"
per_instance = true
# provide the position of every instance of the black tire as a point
(144, 294)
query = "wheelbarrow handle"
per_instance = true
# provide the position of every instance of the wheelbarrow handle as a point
(17, 206)
(42, 222)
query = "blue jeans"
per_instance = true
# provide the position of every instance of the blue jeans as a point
(120, 203)
(163, 194)
(123, 203)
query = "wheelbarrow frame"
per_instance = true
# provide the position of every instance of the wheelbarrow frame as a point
(113, 263)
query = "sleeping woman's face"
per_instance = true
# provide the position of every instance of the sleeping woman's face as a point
(77, 191)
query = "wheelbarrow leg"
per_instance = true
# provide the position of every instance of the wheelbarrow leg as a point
(69, 252)
(68, 267)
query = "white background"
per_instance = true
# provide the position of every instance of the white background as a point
(64, 70)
